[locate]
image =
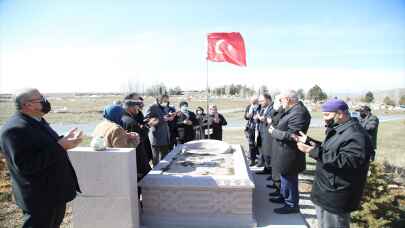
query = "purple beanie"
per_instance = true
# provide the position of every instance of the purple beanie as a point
(334, 105)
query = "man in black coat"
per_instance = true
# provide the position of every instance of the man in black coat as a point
(185, 120)
(159, 132)
(370, 123)
(288, 161)
(140, 118)
(342, 163)
(275, 174)
(250, 130)
(131, 123)
(42, 176)
(266, 141)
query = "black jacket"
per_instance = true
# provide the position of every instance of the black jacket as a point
(370, 124)
(216, 127)
(140, 119)
(251, 124)
(40, 169)
(186, 133)
(341, 168)
(159, 135)
(287, 159)
(131, 124)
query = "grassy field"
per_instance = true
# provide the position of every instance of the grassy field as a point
(88, 109)
(391, 143)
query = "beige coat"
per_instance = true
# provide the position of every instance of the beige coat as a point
(114, 135)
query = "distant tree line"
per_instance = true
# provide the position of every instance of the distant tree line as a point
(315, 94)
(233, 90)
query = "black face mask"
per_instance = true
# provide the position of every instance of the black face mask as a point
(46, 106)
(363, 115)
(330, 123)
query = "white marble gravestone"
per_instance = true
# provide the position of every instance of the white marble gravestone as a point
(108, 181)
(202, 183)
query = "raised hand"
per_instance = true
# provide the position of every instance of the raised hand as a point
(153, 121)
(302, 137)
(72, 139)
(304, 147)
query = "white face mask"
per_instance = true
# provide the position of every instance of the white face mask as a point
(276, 105)
(184, 109)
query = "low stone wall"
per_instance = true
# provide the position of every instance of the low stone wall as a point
(108, 181)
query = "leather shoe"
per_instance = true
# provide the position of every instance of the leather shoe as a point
(269, 178)
(279, 200)
(260, 164)
(271, 186)
(262, 172)
(287, 210)
(275, 193)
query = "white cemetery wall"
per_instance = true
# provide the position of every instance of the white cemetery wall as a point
(108, 180)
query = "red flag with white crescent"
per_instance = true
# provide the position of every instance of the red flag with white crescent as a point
(226, 47)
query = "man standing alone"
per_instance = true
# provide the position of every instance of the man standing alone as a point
(42, 177)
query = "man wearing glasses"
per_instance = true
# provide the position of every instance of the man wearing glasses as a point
(42, 177)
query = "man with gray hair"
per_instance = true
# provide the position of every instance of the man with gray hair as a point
(42, 177)
(288, 160)
(265, 145)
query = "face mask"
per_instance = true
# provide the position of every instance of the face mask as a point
(276, 105)
(363, 115)
(184, 109)
(46, 106)
(331, 122)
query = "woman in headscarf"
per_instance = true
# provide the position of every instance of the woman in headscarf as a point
(111, 129)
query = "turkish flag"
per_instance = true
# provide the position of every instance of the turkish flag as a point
(226, 46)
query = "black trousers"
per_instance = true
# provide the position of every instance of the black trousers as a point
(159, 152)
(44, 217)
(253, 152)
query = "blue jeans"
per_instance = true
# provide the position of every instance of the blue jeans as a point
(327, 219)
(289, 190)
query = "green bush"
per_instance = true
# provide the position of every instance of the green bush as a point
(379, 207)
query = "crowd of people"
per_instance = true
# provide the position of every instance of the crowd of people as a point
(155, 133)
(276, 134)
(44, 179)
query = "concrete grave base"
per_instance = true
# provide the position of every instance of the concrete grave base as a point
(187, 199)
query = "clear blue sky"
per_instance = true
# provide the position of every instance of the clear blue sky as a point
(99, 45)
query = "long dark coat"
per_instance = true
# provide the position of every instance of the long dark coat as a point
(288, 159)
(41, 172)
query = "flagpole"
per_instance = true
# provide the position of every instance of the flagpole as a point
(208, 96)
